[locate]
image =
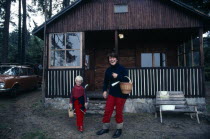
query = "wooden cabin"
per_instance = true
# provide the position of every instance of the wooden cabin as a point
(159, 42)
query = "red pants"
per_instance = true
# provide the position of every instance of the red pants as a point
(79, 113)
(110, 103)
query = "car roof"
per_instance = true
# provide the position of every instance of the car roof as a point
(18, 66)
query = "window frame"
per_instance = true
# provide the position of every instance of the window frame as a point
(153, 59)
(189, 58)
(65, 51)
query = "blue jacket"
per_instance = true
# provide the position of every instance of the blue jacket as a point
(108, 80)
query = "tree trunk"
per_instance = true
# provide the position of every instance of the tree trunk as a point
(5, 43)
(24, 32)
(19, 33)
(50, 10)
(65, 3)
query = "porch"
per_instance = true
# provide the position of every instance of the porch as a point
(146, 81)
(171, 61)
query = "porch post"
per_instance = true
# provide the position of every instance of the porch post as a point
(116, 41)
(83, 50)
(201, 47)
(185, 61)
(83, 55)
(202, 61)
(192, 50)
(178, 55)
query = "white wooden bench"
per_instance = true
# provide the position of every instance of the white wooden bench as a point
(173, 101)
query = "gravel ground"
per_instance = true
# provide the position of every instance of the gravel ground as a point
(24, 117)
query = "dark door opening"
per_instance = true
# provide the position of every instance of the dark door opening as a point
(98, 45)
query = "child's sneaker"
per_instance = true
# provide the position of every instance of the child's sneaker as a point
(80, 128)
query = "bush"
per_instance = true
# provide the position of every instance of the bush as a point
(207, 74)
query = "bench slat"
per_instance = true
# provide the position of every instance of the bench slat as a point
(176, 98)
(174, 95)
(178, 106)
(181, 110)
(170, 102)
(172, 92)
(170, 99)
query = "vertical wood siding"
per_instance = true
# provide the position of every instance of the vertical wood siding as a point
(60, 82)
(142, 14)
(147, 81)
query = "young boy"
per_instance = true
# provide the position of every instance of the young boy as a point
(78, 102)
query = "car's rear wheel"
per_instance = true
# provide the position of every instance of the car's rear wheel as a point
(36, 86)
(14, 91)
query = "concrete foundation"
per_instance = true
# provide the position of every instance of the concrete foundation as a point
(131, 106)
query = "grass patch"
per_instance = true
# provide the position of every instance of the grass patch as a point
(3, 126)
(36, 105)
(207, 83)
(208, 108)
(2, 106)
(35, 135)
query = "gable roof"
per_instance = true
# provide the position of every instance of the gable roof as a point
(41, 27)
(175, 2)
(190, 8)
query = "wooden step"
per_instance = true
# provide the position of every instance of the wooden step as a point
(96, 106)
(94, 94)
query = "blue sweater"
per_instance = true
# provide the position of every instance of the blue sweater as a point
(109, 79)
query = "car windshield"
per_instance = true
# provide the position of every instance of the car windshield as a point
(8, 71)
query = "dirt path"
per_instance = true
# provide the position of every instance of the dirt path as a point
(25, 118)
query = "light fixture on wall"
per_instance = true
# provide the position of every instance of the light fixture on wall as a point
(121, 36)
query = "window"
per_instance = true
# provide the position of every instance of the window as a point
(153, 60)
(196, 52)
(120, 8)
(66, 50)
(23, 71)
(181, 55)
(87, 62)
(188, 53)
(9, 71)
(146, 60)
(30, 71)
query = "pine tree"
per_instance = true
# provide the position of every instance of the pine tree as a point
(5, 41)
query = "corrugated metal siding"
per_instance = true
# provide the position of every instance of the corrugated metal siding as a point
(143, 14)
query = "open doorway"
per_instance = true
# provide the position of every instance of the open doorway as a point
(98, 45)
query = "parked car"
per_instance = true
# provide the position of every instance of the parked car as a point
(16, 78)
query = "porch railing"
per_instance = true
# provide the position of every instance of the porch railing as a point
(147, 81)
(60, 82)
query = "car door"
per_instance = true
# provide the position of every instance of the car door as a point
(24, 79)
(32, 78)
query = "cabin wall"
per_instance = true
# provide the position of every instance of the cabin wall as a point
(142, 14)
(129, 57)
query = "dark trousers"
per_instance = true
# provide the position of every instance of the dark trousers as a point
(110, 104)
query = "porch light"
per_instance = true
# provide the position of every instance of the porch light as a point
(121, 36)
